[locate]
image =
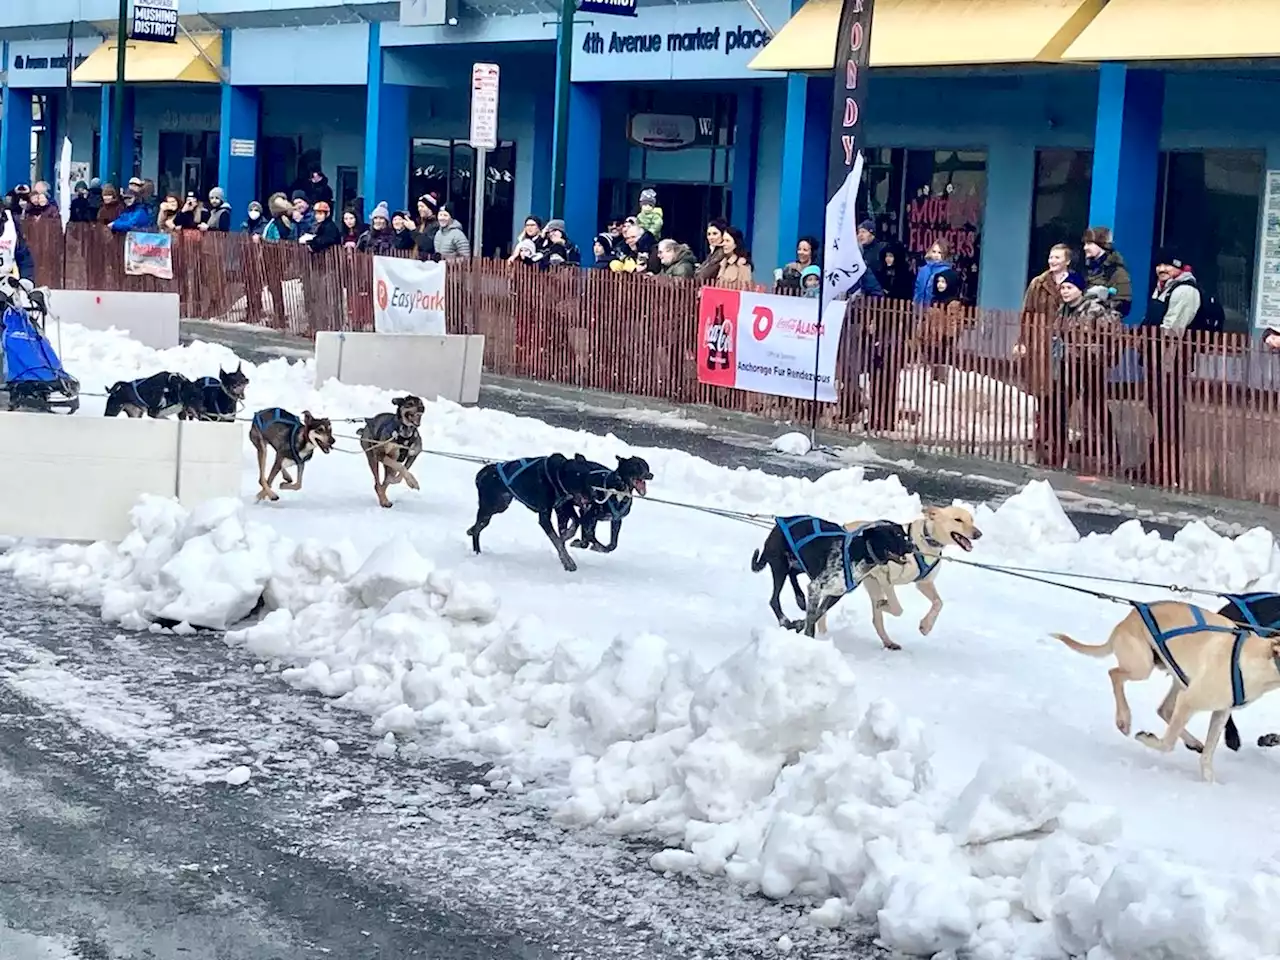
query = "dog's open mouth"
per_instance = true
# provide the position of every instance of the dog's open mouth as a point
(962, 541)
(640, 487)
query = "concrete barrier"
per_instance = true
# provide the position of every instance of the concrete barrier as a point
(422, 364)
(149, 318)
(77, 478)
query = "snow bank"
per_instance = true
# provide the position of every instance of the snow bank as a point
(766, 770)
(765, 767)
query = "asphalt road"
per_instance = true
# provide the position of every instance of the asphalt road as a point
(121, 840)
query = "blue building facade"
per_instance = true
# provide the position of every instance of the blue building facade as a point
(1002, 146)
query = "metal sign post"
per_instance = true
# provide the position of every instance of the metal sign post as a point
(484, 137)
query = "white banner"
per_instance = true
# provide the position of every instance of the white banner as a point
(408, 296)
(768, 343)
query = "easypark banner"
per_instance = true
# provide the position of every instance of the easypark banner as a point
(768, 344)
(408, 296)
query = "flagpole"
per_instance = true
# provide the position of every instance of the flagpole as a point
(843, 265)
(65, 174)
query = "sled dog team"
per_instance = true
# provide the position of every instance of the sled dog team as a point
(1219, 661)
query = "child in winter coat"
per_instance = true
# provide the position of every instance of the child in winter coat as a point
(650, 215)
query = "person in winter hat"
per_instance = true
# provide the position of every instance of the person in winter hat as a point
(402, 224)
(650, 215)
(555, 246)
(426, 228)
(811, 281)
(81, 205)
(304, 220)
(255, 222)
(525, 249)
(379, 239)
(1105, 268)
(218, 217)
(603, 249)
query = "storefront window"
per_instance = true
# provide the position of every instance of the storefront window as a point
(446, 168)
(1060, 212)
(1207, 211)
(681, 144)
(918, 197)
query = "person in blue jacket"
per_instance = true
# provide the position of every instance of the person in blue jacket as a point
(135, 215)
(936, 261)
(14, 252)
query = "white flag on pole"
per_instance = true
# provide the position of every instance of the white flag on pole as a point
(842, 263)
(64, 183)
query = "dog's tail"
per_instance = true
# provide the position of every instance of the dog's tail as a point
(758, 562)
(1101, 650)
(1231, 736)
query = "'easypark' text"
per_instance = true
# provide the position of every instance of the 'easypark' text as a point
(410, 301)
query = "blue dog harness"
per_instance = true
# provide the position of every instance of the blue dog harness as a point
(210, 383)
(508, 473)
(265, 418)
(1160, 638)
(803, 530)
(616, 502)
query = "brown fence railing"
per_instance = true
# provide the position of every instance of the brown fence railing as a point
(1200, 413)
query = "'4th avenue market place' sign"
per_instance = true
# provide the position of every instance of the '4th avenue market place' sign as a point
(699, 40)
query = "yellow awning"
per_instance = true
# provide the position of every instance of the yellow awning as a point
(149, 62)
(933, 33)
(1180, 30)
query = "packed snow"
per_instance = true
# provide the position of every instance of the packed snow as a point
(968, 794)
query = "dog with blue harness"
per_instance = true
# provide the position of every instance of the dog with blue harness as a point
(215, 398)
(1260, 612)
(155, 396)
(550, 485)
(292, 439)
(612, 493)
(834, 559)
(391, 443)
(1217, 665)
(939, 527)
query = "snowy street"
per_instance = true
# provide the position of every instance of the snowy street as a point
(628, 761)
(107, 845)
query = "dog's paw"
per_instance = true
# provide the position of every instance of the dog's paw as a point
(580, 544)
(890, 645)
(569, 565)
(926, 626)
(1196, 747)
(1150, 739)
(1269, 740)
(410, 479)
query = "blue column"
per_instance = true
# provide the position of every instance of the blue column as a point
(386, 135)
(1126, 163)
(107, 141)
(15, 138)
(746, 149)
(544, 121)
(802, 186)
(241, 121)
(582, 196)
(106, 138)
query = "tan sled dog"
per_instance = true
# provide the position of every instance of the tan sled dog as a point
(930, 533)
(1200, 649)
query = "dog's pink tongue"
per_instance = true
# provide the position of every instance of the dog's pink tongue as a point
(641, 488)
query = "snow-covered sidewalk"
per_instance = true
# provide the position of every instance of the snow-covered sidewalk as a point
(969, 793)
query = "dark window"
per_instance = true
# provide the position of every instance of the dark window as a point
(1060, 211)
(920, 196)
(1207, 211)
(446, 168)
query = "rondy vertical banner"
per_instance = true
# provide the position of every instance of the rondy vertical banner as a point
(843, 265)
